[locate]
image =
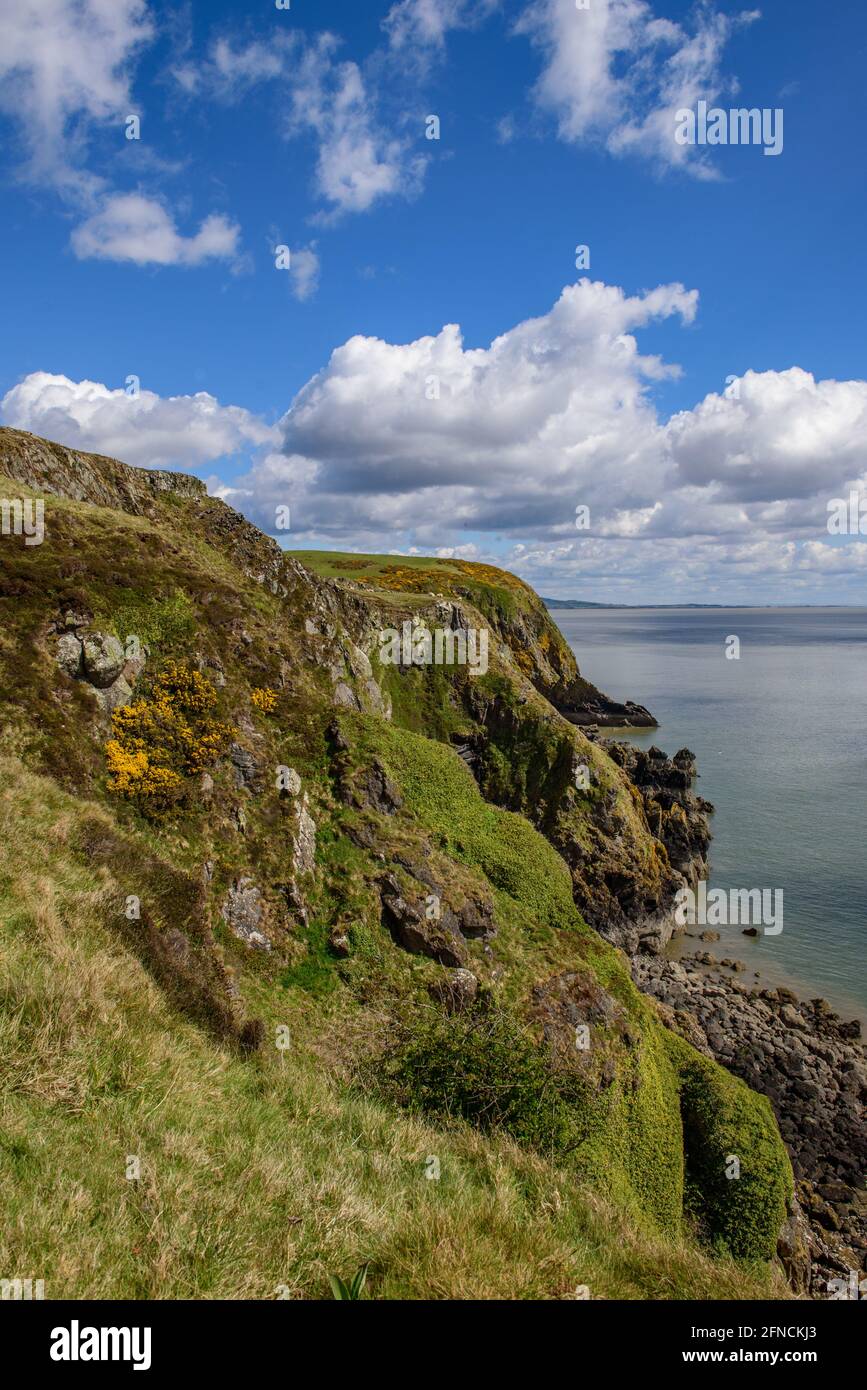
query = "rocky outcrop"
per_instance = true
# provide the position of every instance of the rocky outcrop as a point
(675, 814)
(429, 919)
(243, 912)
(304, 838)
(53, 469)
(98, 660)
(600, 712)
(405, 917)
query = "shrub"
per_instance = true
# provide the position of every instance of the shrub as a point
(157, 622)
(723, 1119)
(481, 1066)
(265, 701)
(161, 741)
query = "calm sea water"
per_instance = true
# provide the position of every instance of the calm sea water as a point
(781, 741)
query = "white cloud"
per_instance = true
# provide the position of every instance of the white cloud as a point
(148, 430)
(777, 435)
(416, 26)
(437, 436)
(131, 227)
(65, 66)
(728, 500)
(616, 74)
(358, 162)
(63, 63)
(304, 272)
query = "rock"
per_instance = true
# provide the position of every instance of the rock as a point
(791, 1017)
(339, 943)
(793, 1248)
(104, 659)
(304, 840)
(243, 911)
(410, 927)
(750, 931)
(293, 782)
(376, 791)
(708, 936)
(70, 654)
(456, 991)
(117, 694)
(72, 620)
(247, 771)
(344, 696)
(206, 785)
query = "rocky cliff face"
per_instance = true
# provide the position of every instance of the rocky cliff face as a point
(406, 836)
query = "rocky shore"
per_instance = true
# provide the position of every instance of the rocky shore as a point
(810, 1064)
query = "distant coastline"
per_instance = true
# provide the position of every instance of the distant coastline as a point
(551, 603)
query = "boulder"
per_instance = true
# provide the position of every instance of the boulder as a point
(104, 659)
(243, 912)
(70, 654)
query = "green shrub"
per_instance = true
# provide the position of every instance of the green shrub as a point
(724, 1120)
(156, 622)
(482, 1067)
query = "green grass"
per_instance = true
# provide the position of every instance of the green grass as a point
(626, 1136)
(259, 1179)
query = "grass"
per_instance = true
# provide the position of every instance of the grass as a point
(262, 1178)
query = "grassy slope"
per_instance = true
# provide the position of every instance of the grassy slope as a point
(255, 1174)
(279, 1169)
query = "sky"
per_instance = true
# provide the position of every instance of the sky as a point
(324, 255)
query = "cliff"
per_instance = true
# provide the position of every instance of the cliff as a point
(328, 944)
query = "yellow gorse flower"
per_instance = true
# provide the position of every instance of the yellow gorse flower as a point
(263, 700)
(161, 741)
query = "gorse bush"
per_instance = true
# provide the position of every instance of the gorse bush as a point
(162, 741)
(265, 701)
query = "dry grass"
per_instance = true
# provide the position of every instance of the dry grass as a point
(258, 1178)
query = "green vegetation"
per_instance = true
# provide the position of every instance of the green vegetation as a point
(738, 1175)
(258, 1178)
(150, 1035)
(165, 623)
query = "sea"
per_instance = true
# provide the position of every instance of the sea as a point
(777, 722)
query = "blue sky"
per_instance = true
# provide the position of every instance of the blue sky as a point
(260, 127)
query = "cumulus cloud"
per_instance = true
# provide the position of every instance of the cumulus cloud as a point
(64, 63)
(437, 436)
(358, 162)
(438, 447)
(424, 442)
(616, 73)
(130, 227)
(774, 435)
(145, 429)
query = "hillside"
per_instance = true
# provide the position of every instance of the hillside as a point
(312, 961)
